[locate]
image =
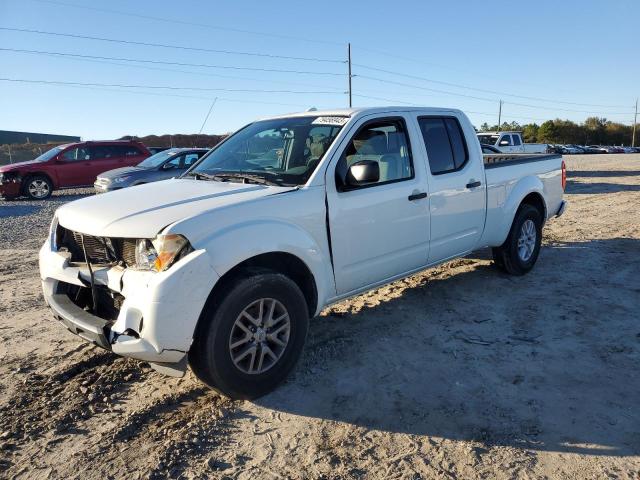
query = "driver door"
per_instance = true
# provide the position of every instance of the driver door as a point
(379, 230)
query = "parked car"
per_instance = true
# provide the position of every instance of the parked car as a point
(161, 166)
(222, 268)
(511, 142)
(596, 149)
(155, 150)
(570, 150)
(488, 150)
(67, 166)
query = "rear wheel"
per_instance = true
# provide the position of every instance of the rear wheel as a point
(38, 187)
(251, 335)
(519, 253)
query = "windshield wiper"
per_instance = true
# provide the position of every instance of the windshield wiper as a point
(245, 177)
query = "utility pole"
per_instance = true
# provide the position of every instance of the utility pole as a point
(635, 120)
(499, 115)
(349, 62)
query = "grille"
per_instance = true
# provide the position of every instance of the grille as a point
(100, 250)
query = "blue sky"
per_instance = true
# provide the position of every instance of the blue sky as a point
(545, 59)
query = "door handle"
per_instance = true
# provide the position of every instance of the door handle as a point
(417, 196)
(474, 184)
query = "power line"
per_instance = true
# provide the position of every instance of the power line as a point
(163, 62)
(164, 45)
(174, 21)
(167, 87)
(485, 99)
(188, 72)
(457, 85)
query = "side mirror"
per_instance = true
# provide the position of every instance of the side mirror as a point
(168, 166)
(363, 173)
(504, 143)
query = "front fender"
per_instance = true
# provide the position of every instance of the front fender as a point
(233, 245)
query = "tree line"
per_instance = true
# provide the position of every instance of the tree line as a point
(593, 131)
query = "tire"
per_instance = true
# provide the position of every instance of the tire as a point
(519, 252)
(215, 356)
(37, 187)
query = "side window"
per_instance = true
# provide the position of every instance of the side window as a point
(445, 144)
(505, 141)
(176, 162)
(190, 159)
(77, 154)
(103, 152)
(384, 142)
(516, 139)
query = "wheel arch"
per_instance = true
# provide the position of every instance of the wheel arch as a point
(28, 175)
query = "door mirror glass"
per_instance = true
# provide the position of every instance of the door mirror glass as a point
(363, 173)
(504, 143)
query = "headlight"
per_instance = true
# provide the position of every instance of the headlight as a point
(121, 179)
(161, 252)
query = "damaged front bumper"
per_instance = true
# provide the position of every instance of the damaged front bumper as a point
(145, 315)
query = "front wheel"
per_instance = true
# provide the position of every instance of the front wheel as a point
(519, 252)
(251, 336)
(38, 187)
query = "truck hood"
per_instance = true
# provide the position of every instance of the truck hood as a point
(143, 211)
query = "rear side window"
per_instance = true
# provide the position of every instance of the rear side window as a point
(516, 139)
(124, 151)
(445, 143)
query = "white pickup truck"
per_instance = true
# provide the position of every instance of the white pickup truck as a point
(222, 268)
(511, 142)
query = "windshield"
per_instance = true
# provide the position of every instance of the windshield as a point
(158, 159)
(488, 139)
(284, 151)
(49, 154)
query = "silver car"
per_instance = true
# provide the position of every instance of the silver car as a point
(161, 166)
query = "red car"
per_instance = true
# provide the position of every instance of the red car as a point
(66, 166)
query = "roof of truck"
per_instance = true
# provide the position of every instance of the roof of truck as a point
(350, 112)
(498, 133)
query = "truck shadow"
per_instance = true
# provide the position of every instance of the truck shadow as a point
(576, 186)
(599, 187)
(547, 361)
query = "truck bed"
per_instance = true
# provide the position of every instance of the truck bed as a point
(527, 172)
(504, 159)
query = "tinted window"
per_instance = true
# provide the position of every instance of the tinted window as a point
(125, 150)
(384, 142)
(101, 152)
(445, 143)
(436, 139)
(516, 139)
(458, 144)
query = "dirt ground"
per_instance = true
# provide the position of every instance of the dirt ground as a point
(458, 372)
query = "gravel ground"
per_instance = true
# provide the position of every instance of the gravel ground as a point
(457, 372)
(26, 222)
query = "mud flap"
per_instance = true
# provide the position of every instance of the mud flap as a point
(171, 369)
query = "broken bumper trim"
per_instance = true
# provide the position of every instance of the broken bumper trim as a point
(79, 322)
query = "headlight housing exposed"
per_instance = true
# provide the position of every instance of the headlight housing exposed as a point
(161, 252)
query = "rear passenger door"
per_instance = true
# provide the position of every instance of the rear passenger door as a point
(457, 200)
(381, 229)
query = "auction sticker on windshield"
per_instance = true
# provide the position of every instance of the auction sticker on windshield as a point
(330, 121)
